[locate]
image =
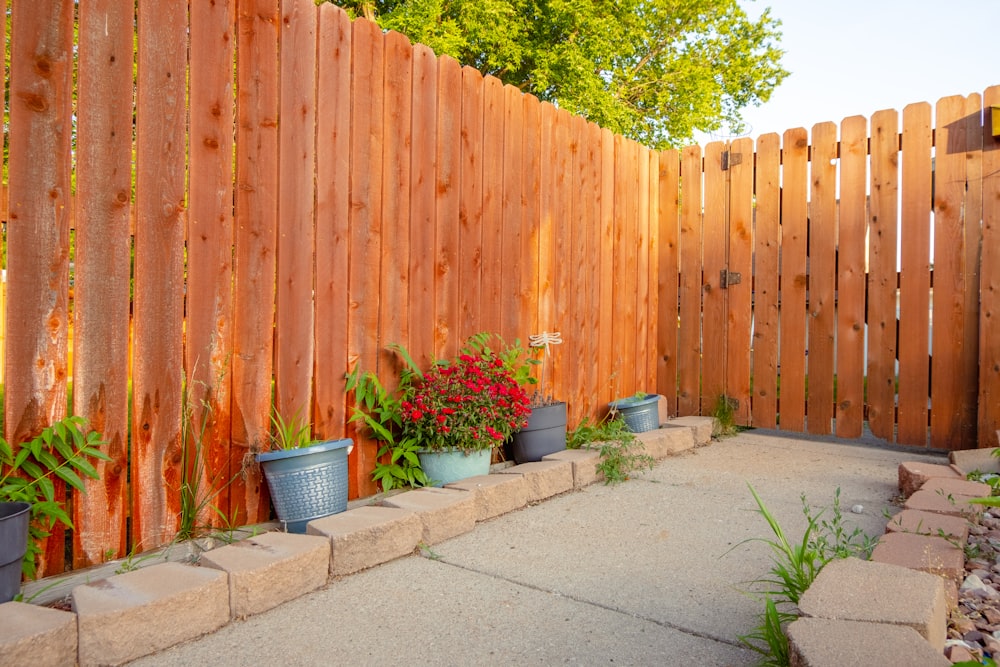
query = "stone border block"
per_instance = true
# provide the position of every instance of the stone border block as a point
(130, 615)
(970, 460)
(544, 478)
(666, 441)
(957, 487)
(584, 462)
(367, 536)
(444, 513)
(37, 636)
(926, 553)
(851, 589)
(494, 494)
(929, 523)
(913, 474)
(701, 427)
(270, 569)
(821, 642)
(933, 501)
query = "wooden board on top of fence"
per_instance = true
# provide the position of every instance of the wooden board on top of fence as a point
(255, 247)
(851, 276)
(989, 279)
(365, 217)
(739, 294)
(947, 388)
(493, 137)
(716, 242)
(448, 176)
(294, 320)
(158, 311)
(668, 265)
(103, 271)
(333, 124)
(690, 243)
(209, 299)
(822, 320)
(470, 207)
(764, 282)
(794, 280)
(914, 276)
(882, 274)
(38, 232)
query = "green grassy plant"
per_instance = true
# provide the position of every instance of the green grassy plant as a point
(616, 445)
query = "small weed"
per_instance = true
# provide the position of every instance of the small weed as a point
(769, 639)
(615, 444)
(427, 552)
(724, 413)
(833, 539)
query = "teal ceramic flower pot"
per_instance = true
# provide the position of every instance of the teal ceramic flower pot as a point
(452, 465)
(307, 483)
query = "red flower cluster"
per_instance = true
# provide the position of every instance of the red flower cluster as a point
(470, 403)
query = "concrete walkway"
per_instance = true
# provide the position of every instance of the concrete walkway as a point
(650, 572)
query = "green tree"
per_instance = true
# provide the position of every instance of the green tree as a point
(653, 70)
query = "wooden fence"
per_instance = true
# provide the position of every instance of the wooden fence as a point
(246, 229)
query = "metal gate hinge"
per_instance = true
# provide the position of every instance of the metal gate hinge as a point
(727, 278)
(729, 159)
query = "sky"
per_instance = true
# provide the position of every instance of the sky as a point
(854, 57)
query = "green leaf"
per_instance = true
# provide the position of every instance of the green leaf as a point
(70, 478)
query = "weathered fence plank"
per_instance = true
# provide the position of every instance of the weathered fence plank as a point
(38, 231)
(740, 294)
(493, 138)
(914, 275)
(256, 247)
(158, 306)
(605, 360)
(102, 273)
(448, 189)
(209, 328)
(470, 212)
(668, 271)
(794, 280)
(716, 246)
(764, 281)
(989, 279)
(514, 303)
(851, 276)
(690, 243)
(949, 277)
(822, 315)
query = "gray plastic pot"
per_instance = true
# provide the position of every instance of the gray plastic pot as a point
(14, 518)
(307, 483)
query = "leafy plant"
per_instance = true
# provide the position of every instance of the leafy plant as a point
(63, 450)
(615, 443)
(832, 538)
(381, 413)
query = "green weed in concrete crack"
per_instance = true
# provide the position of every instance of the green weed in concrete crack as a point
(616, 445)
(724, 414)
(427, 552)
(794, 567)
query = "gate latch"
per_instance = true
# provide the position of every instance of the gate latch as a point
(727, 278)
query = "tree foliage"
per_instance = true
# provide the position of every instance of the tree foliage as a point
(653, 70)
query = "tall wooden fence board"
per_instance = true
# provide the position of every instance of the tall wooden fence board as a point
(404, 199)
(102, 272)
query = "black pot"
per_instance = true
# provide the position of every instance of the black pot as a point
(545, 434)
(14, 519)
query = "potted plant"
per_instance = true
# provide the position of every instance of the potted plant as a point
(640, 411)
(460, 410)
(28, 507)
(442, 424)
(545, 431)
(307, 478)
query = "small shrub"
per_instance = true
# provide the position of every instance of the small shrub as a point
(615, 444)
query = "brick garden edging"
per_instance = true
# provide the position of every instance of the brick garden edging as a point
(127, 616)
(894, 608)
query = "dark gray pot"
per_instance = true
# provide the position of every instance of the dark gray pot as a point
(14, 518)
(545, 434)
